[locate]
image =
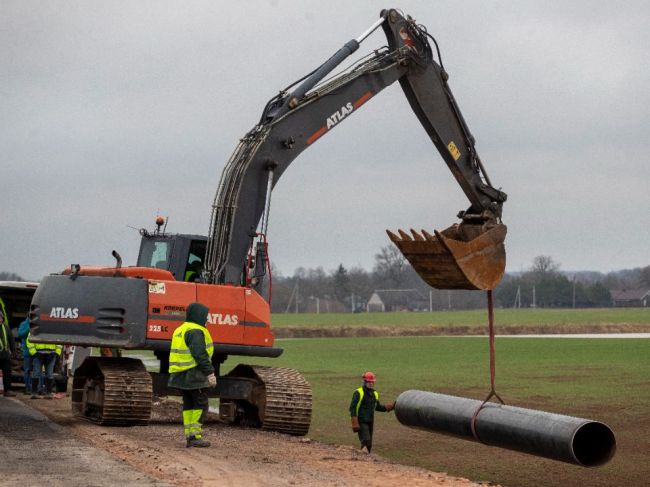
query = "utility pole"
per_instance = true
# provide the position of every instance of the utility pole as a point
(352, 303)
(517, 303)
(293, 292)
(297, 294)
(534, 301)
(449, 299)
(574, 292)
(430, 300)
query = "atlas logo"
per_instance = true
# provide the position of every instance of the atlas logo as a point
(339, 115)
(221, 319)
(65, 313)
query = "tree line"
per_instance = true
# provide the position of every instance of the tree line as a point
(544, 285)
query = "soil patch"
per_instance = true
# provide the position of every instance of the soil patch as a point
(390, 331)
(239, 457)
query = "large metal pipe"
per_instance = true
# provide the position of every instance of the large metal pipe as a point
(566, 438)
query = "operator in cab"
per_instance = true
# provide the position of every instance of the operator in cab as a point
(191, 371)
(365, 401)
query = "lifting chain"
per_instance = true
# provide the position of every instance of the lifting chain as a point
(493, 391)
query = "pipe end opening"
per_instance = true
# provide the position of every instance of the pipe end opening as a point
(594, 444)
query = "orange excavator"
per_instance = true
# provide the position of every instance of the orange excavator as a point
(139, 307)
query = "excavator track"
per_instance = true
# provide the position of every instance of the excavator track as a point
(112, 391)
(280, 399)
(288, 400)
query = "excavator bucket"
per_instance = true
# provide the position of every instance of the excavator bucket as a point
(463, 256)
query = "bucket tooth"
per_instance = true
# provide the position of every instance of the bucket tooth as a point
(417, 236)
(393, 238)
(428, 236)
(405, 236)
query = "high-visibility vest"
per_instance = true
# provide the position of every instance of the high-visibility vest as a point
(180, 356)
(34, 348)
(4, 343)
(360, 391)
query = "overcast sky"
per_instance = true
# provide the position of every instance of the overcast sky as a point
(114, 112)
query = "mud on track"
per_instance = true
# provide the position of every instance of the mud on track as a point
(238, 457)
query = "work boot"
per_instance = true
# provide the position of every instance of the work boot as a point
(364, 449)
(34, 388)
(48, 388)
(192, 441)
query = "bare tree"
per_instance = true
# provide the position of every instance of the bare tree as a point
(391, 266)
(544, 264)
(645, 276)
(10, 276)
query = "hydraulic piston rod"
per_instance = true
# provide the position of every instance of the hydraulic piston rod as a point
(565, 438)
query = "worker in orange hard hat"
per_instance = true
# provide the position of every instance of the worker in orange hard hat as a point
(365, 401)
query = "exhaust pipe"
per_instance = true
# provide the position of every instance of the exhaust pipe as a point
(565, 438)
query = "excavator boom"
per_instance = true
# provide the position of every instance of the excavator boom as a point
(471, 256)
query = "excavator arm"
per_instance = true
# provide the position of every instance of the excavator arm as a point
(294, 120)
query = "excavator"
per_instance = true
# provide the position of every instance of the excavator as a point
(139, 307)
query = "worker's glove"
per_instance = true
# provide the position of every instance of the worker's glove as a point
(390, 406)
(355, 424)
(212, 380)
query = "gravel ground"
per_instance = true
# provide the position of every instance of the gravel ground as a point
(36, 451)
(82, 453)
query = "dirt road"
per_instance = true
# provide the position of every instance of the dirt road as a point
(156, 454)
(37, 451)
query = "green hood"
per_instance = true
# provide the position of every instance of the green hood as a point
(197, 313)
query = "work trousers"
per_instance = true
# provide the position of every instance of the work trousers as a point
(28, 365)
(365, 435)
(5, 365)
(195, 408)
(43, 360)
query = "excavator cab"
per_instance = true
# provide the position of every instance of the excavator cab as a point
(182, 255)
(463, 256)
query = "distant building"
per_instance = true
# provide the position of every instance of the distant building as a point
(631, 298)
(397, 300)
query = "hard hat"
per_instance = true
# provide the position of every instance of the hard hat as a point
(368, 377)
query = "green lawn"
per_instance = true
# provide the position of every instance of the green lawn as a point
(522, 317)
(603, 379)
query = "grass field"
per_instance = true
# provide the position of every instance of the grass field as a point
(607, 380)
(503, 317)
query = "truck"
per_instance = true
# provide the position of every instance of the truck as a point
(139, 307)
(17, 297)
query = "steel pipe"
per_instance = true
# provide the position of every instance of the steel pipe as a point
(565, 438)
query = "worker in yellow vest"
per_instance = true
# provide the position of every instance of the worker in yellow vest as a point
(44, 356)
(365, 401)
(192, 372)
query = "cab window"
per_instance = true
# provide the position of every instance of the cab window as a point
(155, 253)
